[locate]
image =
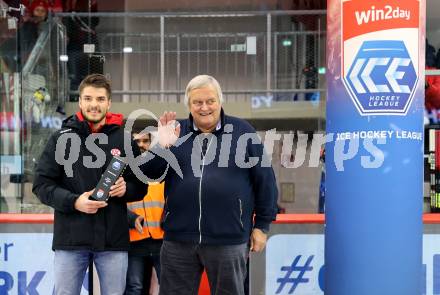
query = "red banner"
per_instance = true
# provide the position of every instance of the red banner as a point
(362, 17)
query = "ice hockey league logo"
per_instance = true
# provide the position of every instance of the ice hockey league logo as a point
(380, 56)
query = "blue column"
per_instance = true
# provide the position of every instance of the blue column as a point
(374, 153)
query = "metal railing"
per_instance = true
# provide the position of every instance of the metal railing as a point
(261, 51)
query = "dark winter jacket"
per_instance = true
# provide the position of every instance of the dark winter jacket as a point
(215, 203)
(73, 230)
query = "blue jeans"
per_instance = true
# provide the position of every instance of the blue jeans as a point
(136, 270)
(70, 268)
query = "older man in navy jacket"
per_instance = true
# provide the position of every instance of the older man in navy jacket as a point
(220, 200)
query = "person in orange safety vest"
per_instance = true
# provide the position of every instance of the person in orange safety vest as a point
(146, 233)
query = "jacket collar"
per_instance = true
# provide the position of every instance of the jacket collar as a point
(110, 119)
(78, 122)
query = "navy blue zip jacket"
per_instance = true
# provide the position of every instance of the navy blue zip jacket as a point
(215, 202)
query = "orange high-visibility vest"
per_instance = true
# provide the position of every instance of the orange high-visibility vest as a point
(151, 208)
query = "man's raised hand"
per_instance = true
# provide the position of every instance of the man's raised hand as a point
(168, 129)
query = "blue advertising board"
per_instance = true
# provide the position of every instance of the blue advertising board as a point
(26, 261)
(374, 149)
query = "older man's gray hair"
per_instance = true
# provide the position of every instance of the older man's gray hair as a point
(202, 81)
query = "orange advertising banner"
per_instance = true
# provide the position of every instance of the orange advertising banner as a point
(362, 17)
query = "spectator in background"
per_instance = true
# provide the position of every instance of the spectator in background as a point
(80, 31)
(39, 10)
(32, 27)
(52, 6)
(146, 233)
(432, 82)
(432, 91)
(15, 54)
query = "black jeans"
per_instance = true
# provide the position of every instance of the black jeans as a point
(182, 266)
(139, 273)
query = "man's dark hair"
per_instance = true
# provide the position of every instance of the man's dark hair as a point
(139, 132)
(97, 81)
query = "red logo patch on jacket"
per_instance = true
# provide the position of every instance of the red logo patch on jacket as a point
(115, 152)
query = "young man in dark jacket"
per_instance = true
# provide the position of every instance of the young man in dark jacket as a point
(224, 180)
(70, 167)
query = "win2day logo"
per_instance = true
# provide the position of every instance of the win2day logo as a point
(382, 78)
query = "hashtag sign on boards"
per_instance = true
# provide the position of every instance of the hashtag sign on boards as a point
(295, 281)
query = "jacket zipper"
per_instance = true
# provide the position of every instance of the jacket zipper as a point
(200, 188)
(166, 215)
(241, 213)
